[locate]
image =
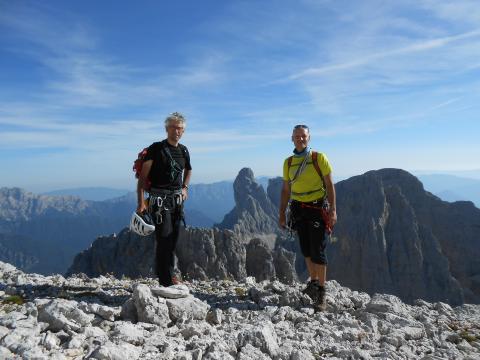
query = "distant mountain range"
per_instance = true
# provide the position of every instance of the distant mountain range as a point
(452, 188)
(212, 201)
(89, 193)
(207, 203)
(42, 233)
(392, 236)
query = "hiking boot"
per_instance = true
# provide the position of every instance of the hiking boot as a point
(312, 289)
(320, 303)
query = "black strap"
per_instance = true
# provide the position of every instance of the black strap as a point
(317, 167)
(175, 168)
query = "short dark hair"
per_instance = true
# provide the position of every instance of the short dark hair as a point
(301, 127)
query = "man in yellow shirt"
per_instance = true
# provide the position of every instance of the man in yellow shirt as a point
(307, 192)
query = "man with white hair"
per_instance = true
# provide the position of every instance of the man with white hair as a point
(308, 189)
(167, 167)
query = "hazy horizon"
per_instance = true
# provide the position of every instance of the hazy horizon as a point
(467, 174)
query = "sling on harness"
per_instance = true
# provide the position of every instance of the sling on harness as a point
(175, 168)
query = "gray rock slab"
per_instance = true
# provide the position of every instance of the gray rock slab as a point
(171, 292)
(262, 336)
(112, 351)
(149, 308)
(64, 314)
(128, 332)
(187, 308)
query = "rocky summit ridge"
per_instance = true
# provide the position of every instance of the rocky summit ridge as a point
(52, 317)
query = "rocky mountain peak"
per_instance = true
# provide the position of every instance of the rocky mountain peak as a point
(246, 186)
(254, 211)
(404, 240)
(401, 178)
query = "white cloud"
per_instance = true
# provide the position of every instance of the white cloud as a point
(455, 11)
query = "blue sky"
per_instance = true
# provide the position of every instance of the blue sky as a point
(84, 85)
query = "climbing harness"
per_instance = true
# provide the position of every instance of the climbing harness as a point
(162, 201)
(324, 210)
(324, 205)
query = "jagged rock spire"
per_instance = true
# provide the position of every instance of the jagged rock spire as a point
(254, 211)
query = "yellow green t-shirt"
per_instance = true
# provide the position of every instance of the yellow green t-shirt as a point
(308, 186)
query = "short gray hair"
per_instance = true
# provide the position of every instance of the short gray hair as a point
(175, 117)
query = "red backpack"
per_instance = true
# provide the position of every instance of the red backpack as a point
(137, 167)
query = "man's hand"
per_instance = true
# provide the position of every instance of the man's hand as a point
(141, 208)
(282, 221)
(332, 213)
(184, 193)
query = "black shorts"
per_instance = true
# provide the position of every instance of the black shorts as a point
(307, 221)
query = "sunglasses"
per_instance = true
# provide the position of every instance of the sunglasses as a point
(300, 127)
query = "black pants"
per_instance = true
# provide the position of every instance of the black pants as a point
(310, 228)
(166, 208)
(166, 235)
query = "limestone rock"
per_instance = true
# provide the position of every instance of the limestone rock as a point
(187, 308)
(64, 315)
(171, 292)
(149, 308)
(249, 319)
(260, 260)
(262, 337)
(112, 351)
(215, 317)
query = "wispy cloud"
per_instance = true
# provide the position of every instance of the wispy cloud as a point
(80, 75)
(460, 12)
(416, 47)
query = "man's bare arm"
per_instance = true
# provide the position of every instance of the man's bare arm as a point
(186, 180)
(284, 197)
(142, 180)
(331, 198)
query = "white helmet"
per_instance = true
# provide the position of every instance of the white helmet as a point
(142, 224)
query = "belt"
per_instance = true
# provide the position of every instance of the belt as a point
(162, 192)
(318, 202)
